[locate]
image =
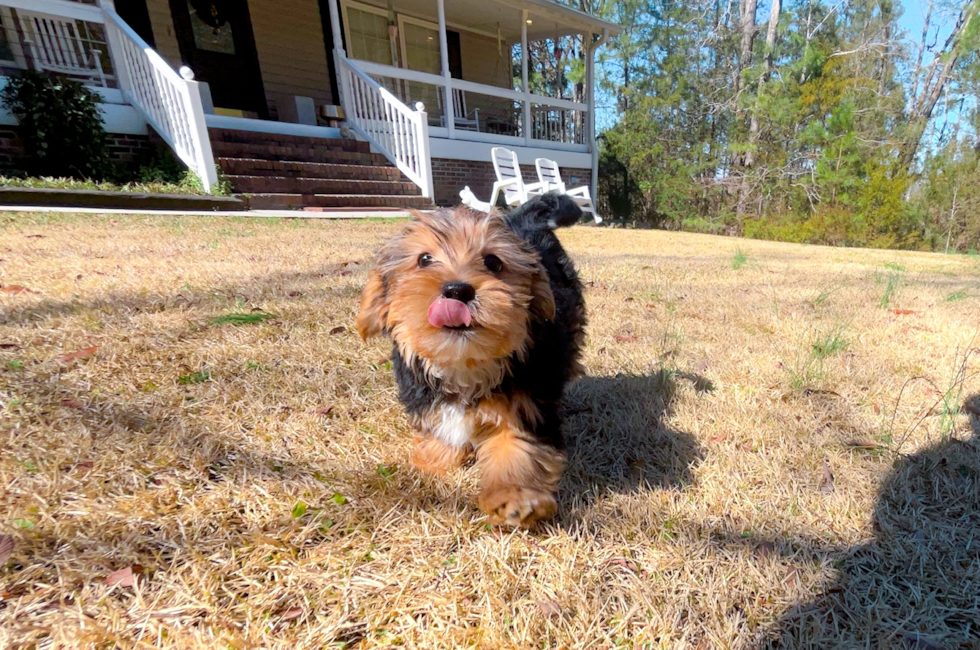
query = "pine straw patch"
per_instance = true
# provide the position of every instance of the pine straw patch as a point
(770, 455)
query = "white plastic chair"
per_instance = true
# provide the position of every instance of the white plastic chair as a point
(509, 180)
(57, 45)
(462, 120)
(550, 177)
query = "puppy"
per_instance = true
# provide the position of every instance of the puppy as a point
(486, 316)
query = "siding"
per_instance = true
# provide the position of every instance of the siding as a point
(292, 54)
(163, 31)
(288, 39)
(481, 63)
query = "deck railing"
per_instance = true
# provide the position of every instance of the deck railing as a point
(169, 103)
(398, 132)
(546, 122)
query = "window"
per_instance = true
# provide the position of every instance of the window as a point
(11, 52)
(420, 45)
(367, 33)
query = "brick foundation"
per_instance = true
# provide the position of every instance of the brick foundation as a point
(450, 176)
(126, 149)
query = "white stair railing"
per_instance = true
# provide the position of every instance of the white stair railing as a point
(395, 130)
(171, 104)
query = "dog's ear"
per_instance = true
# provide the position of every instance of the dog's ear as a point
(542, 298)
(372, 319)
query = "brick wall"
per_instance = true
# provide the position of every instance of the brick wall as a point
(126, 149)
(450, 176)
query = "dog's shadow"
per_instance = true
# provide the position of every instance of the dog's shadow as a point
(618, 440)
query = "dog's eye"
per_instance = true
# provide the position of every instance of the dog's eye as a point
(493, 263)
(425, 260)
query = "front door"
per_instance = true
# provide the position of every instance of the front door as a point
(216, 41)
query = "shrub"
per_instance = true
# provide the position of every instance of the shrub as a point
(60, 124)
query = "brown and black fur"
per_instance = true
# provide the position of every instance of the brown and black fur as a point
(494, 388)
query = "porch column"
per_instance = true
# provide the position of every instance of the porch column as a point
(590, 117)
(590, 76)
(338, 50)
(448, 110)
(524, 85)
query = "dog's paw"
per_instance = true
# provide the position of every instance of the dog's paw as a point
(517, 506)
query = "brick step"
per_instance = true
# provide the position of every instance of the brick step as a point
(293, 201)
(300, 185)
(253, 137)
(311, 153)
(290, 168)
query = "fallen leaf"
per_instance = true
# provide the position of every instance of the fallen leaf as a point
(628, 299)
(766, 549)
(338, 330)
(6, 547)
(15, 289)
(79, 354)
(72, 404)
(35, 236)
(293, 613)
(792, 576)
(294, 294)
(904, 312)
(346, 272)
(124, 577)
(549, 608)
(722, 438)
(624, 562)
(626, 338)
(861, 444)
(326, 410)
(876, 409)
(828, 479)
(9, 346)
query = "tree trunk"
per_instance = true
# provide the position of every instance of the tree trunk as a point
(932, 88)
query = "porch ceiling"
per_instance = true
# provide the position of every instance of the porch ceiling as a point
(548, 18)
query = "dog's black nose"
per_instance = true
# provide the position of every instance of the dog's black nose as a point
(458, 291)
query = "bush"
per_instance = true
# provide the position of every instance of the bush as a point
(60, 124)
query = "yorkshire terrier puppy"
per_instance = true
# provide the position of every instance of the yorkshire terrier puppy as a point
(486, 316)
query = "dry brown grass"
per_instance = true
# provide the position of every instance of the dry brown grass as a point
(696, 512)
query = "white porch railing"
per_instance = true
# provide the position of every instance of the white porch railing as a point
(379, 117)
(171, 104)
(546, 122)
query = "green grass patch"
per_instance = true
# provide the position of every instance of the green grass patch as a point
(195, 378)
(250, 318)
(891, 285)
(739, 259)
(956, 296)
(893, 266)
(828, 346)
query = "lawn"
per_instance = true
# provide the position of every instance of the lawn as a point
(773, 448)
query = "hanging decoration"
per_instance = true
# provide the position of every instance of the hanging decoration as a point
(213, 13)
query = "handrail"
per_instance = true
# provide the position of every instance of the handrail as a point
(382, 70)
(398, 132)
(170, 103)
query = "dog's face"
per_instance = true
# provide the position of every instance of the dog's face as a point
(457, 289)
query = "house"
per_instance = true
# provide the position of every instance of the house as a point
(306, 103)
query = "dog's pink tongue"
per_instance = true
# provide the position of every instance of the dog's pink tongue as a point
(445, 312)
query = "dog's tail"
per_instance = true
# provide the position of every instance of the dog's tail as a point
(550, 211)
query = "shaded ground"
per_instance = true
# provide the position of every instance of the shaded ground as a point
(772, 455)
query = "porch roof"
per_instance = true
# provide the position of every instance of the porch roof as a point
(548, 18)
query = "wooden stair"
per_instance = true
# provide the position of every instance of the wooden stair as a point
(272, 171)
